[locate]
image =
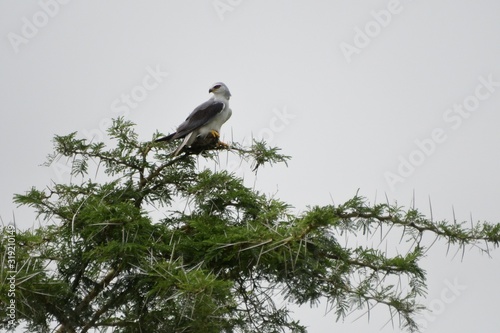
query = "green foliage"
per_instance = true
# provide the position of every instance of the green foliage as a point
(102, 259)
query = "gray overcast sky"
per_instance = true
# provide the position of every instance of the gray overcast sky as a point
(394, 98)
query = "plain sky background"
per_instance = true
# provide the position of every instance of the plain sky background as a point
(347, 119)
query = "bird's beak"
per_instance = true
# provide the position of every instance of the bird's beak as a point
(210, 90)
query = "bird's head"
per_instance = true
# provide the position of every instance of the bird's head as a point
(220, 89)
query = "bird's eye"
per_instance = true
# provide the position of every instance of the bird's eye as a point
(217, 86)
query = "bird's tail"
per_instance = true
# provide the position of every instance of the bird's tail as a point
(182, 145)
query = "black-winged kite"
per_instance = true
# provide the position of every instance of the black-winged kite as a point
(206, 118)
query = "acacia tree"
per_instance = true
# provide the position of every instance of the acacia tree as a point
(116, 255)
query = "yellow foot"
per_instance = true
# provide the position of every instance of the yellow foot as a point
(215, 134)
(223, 145)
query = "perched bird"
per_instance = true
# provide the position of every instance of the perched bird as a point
(206, 118)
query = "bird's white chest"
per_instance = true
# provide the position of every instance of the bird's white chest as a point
(216, 122)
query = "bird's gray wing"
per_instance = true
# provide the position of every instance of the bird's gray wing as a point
(199, 117)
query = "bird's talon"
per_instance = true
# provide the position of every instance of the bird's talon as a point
(215, 134)
(221, 144)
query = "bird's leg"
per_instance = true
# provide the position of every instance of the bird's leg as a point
(219, 144)
(215, 134)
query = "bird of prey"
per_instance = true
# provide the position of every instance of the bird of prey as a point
(206, 118)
